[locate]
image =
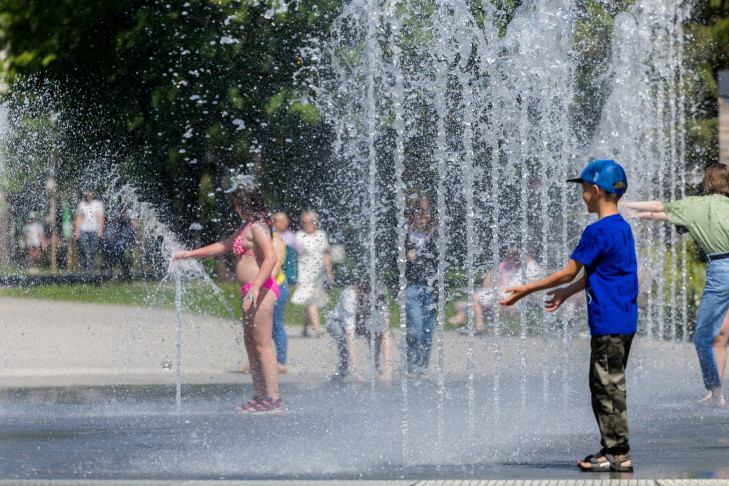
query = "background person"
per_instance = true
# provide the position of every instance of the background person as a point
(89, 229)
(707, 220)
(290, 264)
(315, 265)
(352, 315)
(280, 339)
(119, 240)
(281, 226)
(510, 274)
(35, 239)
(421, 269)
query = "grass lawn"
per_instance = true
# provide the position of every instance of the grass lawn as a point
(223, 300)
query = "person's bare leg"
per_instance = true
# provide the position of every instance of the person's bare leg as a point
(254, 361)
(386, 347)
(305, 331)
(314, 319)
(265, 372)
(353, 360)
(720, 343)
(715, 395)
(477, 315)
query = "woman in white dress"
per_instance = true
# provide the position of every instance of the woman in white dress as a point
(314, 261)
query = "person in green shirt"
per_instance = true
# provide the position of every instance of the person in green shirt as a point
(707, 220)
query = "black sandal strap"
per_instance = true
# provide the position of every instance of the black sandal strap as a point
(615, 462)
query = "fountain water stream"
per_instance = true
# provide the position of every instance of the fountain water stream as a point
(440, 100)
(484, 122)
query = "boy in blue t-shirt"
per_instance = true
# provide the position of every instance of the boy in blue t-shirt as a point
(607, 251)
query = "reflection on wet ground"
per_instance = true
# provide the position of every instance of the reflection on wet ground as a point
(354, 431)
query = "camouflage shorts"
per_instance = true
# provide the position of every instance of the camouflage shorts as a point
(608, 359)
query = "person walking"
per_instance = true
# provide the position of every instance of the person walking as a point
(89, 229)
(315, 265)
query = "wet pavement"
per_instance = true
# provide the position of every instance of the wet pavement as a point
(522, 416)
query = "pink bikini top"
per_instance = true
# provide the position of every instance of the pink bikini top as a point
(238, 249)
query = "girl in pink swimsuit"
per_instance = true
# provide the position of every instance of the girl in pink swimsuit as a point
(253, 246)
(239, 250)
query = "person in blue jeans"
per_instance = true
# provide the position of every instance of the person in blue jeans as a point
(421, 269)
(707, 220)
(280, 339)
(420, 310)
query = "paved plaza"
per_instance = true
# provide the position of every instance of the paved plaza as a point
(87, 392)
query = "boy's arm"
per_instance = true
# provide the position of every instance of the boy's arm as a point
(567, 274)
(557, 297)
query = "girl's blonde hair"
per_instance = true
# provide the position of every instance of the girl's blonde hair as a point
(716, 179)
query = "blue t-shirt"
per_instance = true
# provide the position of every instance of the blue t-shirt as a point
(607, 250)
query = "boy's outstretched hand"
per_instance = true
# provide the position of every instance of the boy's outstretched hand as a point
(517, 292)
(555, 298)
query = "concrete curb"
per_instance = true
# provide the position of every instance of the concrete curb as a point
(399, 482)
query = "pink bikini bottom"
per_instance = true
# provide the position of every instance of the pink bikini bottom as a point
(269, 284)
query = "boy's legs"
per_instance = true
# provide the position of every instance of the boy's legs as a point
(608, 359)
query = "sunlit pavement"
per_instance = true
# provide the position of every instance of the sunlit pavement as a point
(88, 393)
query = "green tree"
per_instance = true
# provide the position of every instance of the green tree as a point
(707, 53)
(179, 91)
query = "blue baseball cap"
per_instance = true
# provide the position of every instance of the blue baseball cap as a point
(605, 174)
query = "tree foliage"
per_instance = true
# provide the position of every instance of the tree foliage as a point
(183, 90)
(179, 92)
(707, 53)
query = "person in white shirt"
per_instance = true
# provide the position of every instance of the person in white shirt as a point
(314, 261)
(355, 315)
(486, 298)
(35, 240)
(89, 228)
